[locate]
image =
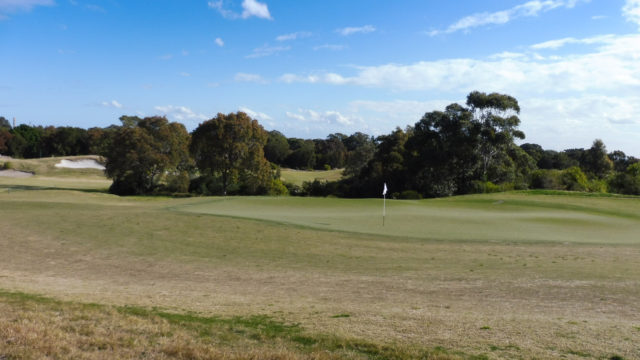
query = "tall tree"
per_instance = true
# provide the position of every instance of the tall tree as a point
(276, 148)
(232, 146)
(596, 161)
(443, 151)
(4, 123)
(497, 114)
(145, 157)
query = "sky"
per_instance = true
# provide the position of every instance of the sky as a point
(311, 68)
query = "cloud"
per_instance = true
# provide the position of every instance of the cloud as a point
(254, 114)
(12, 6)
(254, 78)
(326, 117)
(631, 11)
(111, 104)
(185, 74)
(528, 9)
(615, 59)
(255, 8)
(166, 57)
(179, 113)
(294, 36)
(333, 47)
(556, 44)
(355, 30)
(219, 42)
(250, 8)
(267, 50)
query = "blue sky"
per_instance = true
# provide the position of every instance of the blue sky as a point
(310, 68)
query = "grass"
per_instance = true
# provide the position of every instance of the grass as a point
(513, 275)
(35, 326)
(297, 177)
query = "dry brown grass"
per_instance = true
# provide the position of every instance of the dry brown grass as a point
(504, 300)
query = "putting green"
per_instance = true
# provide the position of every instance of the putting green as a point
(508, 217)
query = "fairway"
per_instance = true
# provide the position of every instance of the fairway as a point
(511, 275)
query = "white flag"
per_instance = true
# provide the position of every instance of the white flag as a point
(384, 190)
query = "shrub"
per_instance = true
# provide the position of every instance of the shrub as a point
(574, 179)
(277, 188)
(410, 195)
(8, 165)
(599, 186)
(327, 167)
(546, 179)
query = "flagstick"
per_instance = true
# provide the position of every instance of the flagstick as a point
(384, 207)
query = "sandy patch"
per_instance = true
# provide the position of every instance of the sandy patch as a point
(80, 164)
(15, 174)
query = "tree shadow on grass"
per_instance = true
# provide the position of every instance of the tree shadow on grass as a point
(12, 188)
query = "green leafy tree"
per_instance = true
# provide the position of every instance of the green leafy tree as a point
(497, 115)
(146, 157)
(302, 155)
(232, 147)
(28, 141)
(443, 152)
(5, 139)
(4, 123)
(596, 161)
(360, 150)
(277, 148)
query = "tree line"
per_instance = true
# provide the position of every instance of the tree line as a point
(463, 149)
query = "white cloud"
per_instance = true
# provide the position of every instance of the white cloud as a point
(23, 5)
(250, 8)
(528, 9)
(558, 43)
(255, 114)
(185, 74)
(267, 50)
(219, 42)
(246, 77)
(294, 36)
(326, 117)
(333, 47)
(631, 11)
(610, 67)
(12, 6)
(179, 113)
(111, 104)
(255, 8)
(355, 30)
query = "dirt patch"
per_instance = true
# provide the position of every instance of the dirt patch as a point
(15, 174)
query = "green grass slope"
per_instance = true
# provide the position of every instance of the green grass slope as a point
(510, 217)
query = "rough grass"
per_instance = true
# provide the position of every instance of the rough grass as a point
(36, 327)
(515, 275)
(297, 177)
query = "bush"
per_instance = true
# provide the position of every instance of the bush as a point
(7, 166)
(628, 182)
(327, 167)
(277, 188)
(598, 186)
(293, 189)
(410, 195)
(574, 179)
(546, 179)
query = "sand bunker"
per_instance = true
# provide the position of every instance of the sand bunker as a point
(80, 164)
(15, 174)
